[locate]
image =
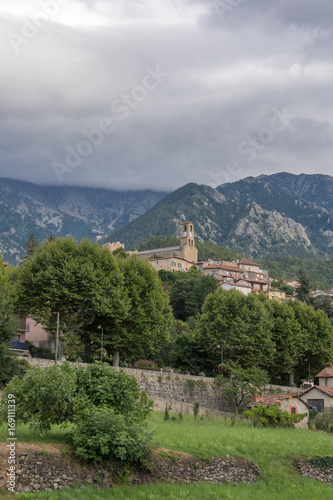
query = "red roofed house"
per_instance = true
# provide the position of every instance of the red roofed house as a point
(286, 402)
(321, 396)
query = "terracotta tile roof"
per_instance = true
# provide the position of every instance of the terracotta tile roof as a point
(248, 262)
(325, 390)
(324, 373)
(273, 399)
(270, 399)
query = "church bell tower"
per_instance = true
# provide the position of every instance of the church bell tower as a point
(189, 251)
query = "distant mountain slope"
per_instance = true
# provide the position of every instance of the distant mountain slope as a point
(27, 208)
(268, 215)
(307, 200)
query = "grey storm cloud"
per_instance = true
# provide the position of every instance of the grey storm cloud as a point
(155, 94)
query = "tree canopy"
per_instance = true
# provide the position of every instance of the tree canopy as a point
(239, 324)
(92, 288)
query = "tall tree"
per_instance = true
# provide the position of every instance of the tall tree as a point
(288, 341)
(304, 286)
(30, 248)
(239, 325)
(242, 383)
(316, 338)
(147, 324)
(80, 281)
(189, 292)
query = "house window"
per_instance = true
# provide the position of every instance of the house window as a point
(174, 264)
(215, 261)
(318, 403)
(293, 410)
(179, 265)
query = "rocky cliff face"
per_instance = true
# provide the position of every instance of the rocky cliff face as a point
(27, 208)
(280, 214)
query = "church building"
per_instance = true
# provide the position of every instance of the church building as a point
(178, 258)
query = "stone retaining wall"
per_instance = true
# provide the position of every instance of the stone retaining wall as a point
(177, 388)
(38, 471)
(307, 470)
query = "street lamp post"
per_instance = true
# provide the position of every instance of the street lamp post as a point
(220, 346)
(100, 327)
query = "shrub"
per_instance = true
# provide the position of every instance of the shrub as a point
(12, 367)
(324, 421)
(85, 395)
(166, 412)
(271, 416)
(43, 397)
(102, 385)
(196, 407)
(101, 433)
(321, 462)
(40, 352)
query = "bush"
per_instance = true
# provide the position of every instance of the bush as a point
(12, 367)
(324, 421)
(85, 395)
(272, 416)
(166, 412)
(321, 462)
(101, 433)
(44, 397)
(196, 407)
(40, 352)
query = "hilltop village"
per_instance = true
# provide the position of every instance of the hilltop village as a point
(243, 275)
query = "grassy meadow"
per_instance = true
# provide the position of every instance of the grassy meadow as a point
(272, 449)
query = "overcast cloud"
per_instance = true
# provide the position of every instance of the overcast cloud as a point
(137, 94)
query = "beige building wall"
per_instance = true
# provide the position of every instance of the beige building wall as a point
(326, 382)
(171, 264)
(315, 393)
(276, 295)
(300, 407)
(113, 246)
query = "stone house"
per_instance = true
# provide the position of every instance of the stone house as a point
(171, 264)
(290, 403)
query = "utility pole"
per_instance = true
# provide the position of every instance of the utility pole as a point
(57, 339)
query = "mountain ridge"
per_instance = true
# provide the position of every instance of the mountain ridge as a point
(259, 216)
(93, 212)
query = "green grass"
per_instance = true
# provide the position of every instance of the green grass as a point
(27, 435)
(272, 449)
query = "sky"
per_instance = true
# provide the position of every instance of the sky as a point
(138, 94)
